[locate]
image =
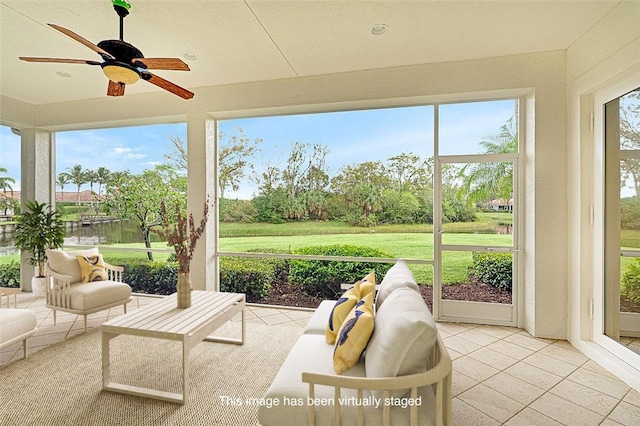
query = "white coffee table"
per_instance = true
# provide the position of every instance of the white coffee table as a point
(163, 320)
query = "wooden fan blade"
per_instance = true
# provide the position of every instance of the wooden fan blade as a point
(80, 39)
(167, 85)
(60, 60)
(173, 64)
(115, 89)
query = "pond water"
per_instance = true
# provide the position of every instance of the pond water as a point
(120, 232)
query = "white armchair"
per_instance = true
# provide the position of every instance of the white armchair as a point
(67, 292)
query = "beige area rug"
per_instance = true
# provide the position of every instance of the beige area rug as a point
(61, 385)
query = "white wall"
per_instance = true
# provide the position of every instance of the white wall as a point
(607, 54)
(542, 75)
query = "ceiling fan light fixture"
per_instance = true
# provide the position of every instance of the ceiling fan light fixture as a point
(121, 74)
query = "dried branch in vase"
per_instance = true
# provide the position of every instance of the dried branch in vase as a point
(183, 242)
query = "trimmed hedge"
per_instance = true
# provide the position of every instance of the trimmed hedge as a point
(494, 269)
(148, 277)
(248, 275)
(10, 275)
(630, 287)
(322, 278)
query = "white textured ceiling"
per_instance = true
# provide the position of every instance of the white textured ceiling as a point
(254, 40)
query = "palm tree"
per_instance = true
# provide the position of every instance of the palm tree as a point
(62, 180)
(6, 184)
(91, 177)
(6, 181)
(484, 181)
(77, 176)
(102, 176)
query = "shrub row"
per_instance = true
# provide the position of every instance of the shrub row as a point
(494, 269)
(255, 276)
(630, 287)
(320, 278)
(10, 275)
(323, 278)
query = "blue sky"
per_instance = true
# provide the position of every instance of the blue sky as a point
(352, 137)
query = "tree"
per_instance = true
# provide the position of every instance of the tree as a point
(138, 197)
(62, 180)
(6, 183)
(234, 157)
(79, 177)
(484, 181)
(629, 110)
(91, 177)
(102, 177)
(407, 172)
(178, 155)
(358, 187)
(399, 206)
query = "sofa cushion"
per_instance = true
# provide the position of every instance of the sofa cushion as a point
(317, 324)
(287, 396)
(99, 293)
(66, 263)
(16, 322)
(404, 337)
(92, 268)
(345, 304)
(398, 276)
(354, 335)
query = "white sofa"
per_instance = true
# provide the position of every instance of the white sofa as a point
(403, 378)
(68, 293)
(16, 325)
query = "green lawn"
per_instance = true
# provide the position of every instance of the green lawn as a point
(397, 245)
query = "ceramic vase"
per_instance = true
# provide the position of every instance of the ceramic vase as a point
(184, 290)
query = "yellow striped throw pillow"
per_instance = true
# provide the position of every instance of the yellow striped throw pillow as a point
(354, 335)
(345, 304)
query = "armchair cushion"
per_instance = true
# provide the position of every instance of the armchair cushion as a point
(99, 293)
(66, 263)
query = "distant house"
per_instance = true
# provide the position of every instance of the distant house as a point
(67, 197)
(499, 205)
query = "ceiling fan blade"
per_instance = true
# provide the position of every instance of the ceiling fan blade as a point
(60, 60)
(80, 39)
(173, 64)
(167, 85)
(115, 89)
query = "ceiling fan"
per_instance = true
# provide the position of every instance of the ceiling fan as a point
(123, 63)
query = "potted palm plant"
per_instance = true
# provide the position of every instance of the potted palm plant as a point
(38, 228)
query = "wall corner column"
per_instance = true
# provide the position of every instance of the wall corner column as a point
(202, 158)
(37, 181)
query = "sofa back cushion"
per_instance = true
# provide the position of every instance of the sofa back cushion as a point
(66, 263)
(403, 339)
(398, 276)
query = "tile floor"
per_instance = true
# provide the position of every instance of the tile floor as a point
(501, 375)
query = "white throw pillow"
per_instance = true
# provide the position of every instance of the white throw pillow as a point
(398, 276)
(403, 338)
(66, 263)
